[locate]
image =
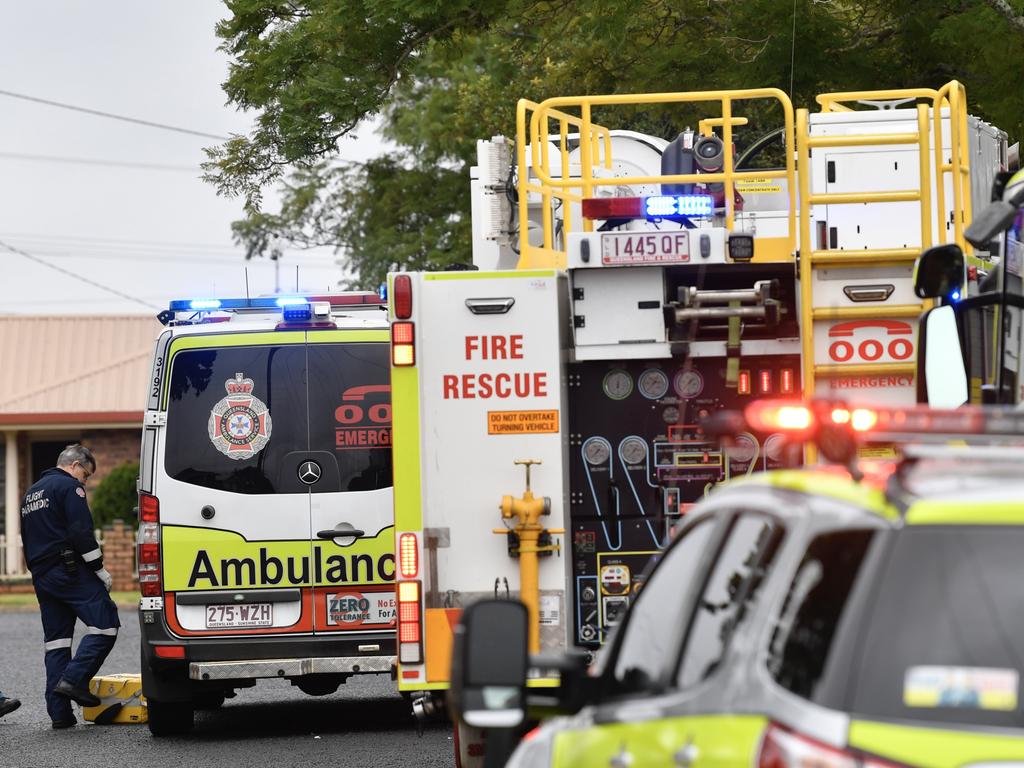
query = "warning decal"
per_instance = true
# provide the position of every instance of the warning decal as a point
(521, 422)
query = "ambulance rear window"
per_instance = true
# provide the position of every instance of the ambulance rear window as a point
(246, 419)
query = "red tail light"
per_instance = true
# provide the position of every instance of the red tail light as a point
(783, 748)
(149, 508)
(410, 624)
(401, 296)
(148, 550)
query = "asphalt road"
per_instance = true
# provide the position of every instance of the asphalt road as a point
(365, 723)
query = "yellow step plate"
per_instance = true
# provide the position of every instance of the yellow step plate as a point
(121, 700)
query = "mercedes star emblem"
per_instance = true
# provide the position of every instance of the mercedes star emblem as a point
(309, 472)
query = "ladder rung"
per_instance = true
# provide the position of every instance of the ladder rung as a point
(872, 311)
(863, 140)
(836, 198)
(874, 256)
(865, 369)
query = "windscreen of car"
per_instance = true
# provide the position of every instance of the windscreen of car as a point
(242, 419)
(944, 635)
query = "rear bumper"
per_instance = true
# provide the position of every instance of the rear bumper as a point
(256, 669)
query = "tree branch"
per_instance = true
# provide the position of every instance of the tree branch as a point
(1005, 10)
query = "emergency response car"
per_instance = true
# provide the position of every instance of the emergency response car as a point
(868, 616)
(627, 287)
(266, 534)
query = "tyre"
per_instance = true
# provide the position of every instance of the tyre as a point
(170, 718)
(208, 700)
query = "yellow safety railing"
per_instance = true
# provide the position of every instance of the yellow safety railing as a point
(950, 98)
(534, 123)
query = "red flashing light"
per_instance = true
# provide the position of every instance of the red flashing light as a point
(743, 383)
(786, 380)
(613, 208)
(347, 299)
(765, 380)
(401, 296)
(170, 651)
(149, 508)
(768, 416)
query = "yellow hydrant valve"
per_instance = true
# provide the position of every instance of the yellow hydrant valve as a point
(527, 511)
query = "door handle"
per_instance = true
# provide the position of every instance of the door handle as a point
(686, 755)
(622, 760)
(341, 533)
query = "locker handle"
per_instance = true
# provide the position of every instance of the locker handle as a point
(498, 306)
(868, 292)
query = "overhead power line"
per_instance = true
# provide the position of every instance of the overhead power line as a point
(97, 161)
(77, 276)
(112, 116)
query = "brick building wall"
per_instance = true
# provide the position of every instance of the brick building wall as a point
(112, 448)
(119, 555)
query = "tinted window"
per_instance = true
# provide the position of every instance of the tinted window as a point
(733, 584)
(217, 439)
(943, 642)
(254, 438)
(803, 645)
(654, 624)
(350, 414)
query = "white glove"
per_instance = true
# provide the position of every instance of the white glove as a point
(104, 575)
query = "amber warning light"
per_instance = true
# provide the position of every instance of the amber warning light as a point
(403, 349)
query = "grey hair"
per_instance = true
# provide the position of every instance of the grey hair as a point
(76, 452)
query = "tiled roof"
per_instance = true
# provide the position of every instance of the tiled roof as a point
(74, 368)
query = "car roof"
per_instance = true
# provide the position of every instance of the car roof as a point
(930, 492)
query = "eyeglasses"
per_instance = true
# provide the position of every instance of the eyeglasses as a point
(88, 473)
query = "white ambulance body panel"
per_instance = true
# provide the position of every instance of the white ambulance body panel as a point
(491, 392)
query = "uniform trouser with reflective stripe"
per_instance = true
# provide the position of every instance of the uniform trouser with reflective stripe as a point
(62, 599)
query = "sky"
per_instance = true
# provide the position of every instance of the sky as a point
(117, 204)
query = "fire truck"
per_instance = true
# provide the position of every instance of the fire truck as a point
(547, 402)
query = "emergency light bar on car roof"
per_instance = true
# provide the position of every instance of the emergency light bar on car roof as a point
(652, 207)
(275, 302)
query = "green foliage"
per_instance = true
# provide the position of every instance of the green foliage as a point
(116, 495)
(440, 75)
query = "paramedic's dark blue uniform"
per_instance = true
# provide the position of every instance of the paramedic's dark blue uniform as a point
(55, 518)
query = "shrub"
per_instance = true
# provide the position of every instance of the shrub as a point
(116, 496)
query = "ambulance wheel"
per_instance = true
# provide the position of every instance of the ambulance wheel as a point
(170, 718)
(210, 700)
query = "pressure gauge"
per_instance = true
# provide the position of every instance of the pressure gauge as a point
(653, 384)
(743, 450)
(773, 447)
(688, 383)
(596, 451)
(633, 450)
(670, 415)
(618, 384)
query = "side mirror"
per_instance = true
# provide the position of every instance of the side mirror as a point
(490, 664)
(942, 374)
(994, 219)
(939, 271)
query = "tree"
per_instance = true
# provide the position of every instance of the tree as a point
(116, 496)
(440, 75)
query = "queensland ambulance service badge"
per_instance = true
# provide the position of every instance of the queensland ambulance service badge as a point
(240, 423)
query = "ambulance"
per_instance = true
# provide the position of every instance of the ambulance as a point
(548, 403)
(265, 504)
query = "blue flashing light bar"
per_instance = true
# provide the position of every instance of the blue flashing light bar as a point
(660, 206)
(291, 301)
(201, 304)
(955, 296)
